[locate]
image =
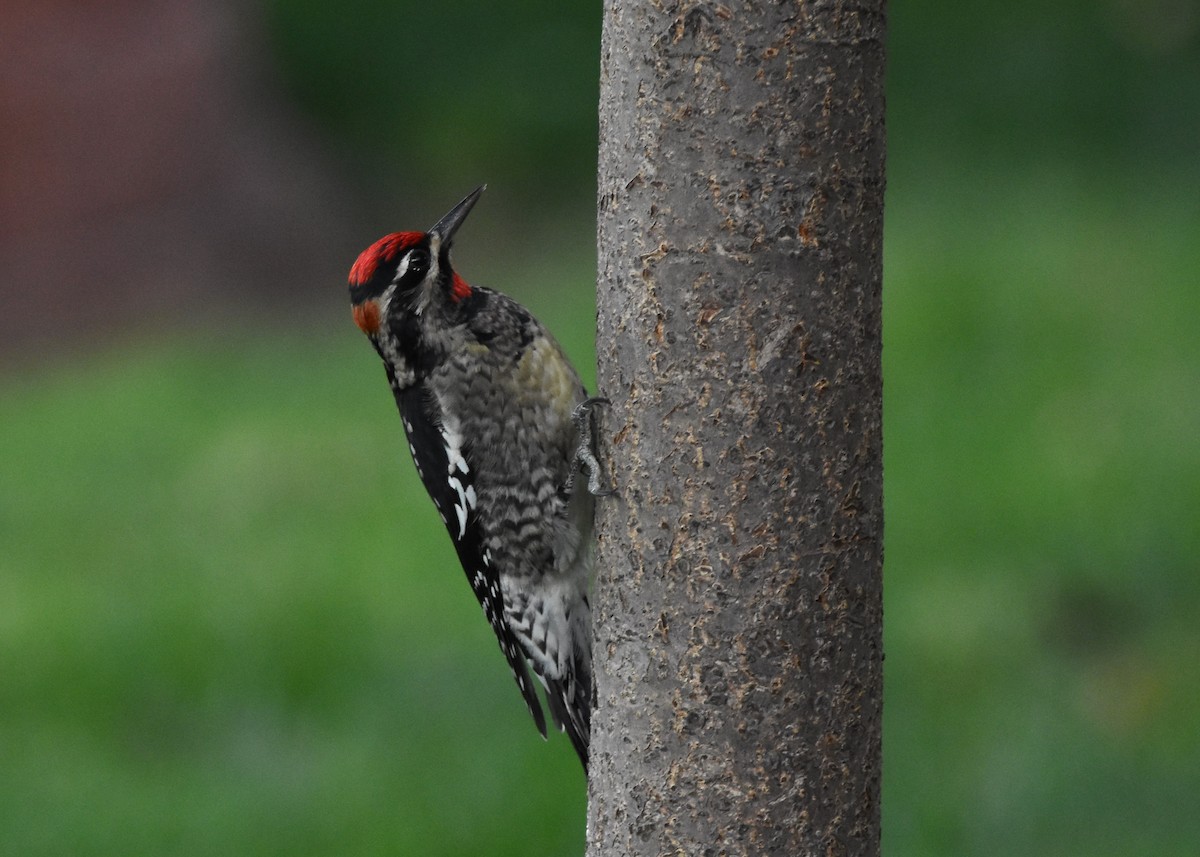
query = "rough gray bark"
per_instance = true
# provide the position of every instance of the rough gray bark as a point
(738, 603)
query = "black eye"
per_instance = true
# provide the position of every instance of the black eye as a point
(414, 267)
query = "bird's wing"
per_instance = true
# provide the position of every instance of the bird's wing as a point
(442, 461)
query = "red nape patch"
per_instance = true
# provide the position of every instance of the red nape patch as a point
(382, 251)
(459, 290)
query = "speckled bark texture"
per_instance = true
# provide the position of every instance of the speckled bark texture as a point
(738, 603)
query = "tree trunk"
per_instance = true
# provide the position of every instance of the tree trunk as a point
(738, 600)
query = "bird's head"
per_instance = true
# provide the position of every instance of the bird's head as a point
(406, 273)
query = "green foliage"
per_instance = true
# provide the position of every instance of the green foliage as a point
(508, 91)
(441, 91)
(1043, 482)
(230, 622)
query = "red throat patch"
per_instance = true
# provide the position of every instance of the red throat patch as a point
(386, 249)
(459, 290)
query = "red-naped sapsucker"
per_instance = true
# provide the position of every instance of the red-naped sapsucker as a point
(502, 434)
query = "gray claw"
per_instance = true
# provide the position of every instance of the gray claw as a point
(585, 455)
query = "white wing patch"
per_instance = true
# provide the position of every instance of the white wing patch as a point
(460, 506)
(457, 470)
(454, 457)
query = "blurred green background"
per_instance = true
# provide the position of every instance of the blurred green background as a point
(230, 622)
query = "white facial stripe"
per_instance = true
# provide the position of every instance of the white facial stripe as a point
(425, 294)
(388, 342)
(403, 269)
(385, 300)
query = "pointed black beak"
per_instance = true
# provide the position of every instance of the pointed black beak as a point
(448, 225)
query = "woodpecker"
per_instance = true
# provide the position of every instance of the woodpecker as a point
(503, 436)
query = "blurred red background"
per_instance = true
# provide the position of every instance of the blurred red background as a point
(150, 172)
